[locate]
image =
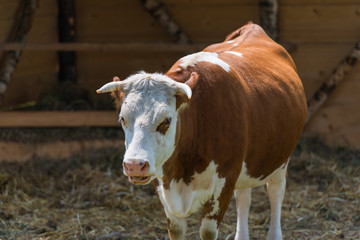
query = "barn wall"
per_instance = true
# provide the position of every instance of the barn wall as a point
(324, 32)
(36, 71)
(108, 21)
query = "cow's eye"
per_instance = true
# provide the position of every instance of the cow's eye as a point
(122, 120)
(164, 126)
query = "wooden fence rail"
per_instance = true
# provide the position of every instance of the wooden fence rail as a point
(59, 119)
(101, 47)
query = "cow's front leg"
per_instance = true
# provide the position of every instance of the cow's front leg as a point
(213, 213)
(243, 201)
(176, 227)
(208, 228)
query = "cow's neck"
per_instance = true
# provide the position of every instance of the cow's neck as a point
(186, 159)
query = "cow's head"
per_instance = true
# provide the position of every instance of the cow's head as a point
(149, 114)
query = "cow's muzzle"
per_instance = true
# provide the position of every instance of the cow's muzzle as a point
(137, 171)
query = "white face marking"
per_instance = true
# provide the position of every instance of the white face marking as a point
(149, 100)
(181, 199)
(211, 57)
(246, 181)
(235, 53)
(230, 41)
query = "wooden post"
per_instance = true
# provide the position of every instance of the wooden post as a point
(67, 33)
(269, 17)
(336, 77)
(20, 30)
(159, 12)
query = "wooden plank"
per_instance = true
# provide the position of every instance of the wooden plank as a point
(20, 152)
(317, 2)
(212, 23)
(342, 69)
(59, 119)
(210, 2)
(127, 47)
(338, 121)
(116, 21)
(336, 124)
(5, 27)
(106, 4)
(204, 22)
(47, 8)
(44, 30)
(92, 74)
(8, 9)
(252, 2)
(320, 23)
(316, 61)
(36, 71)
(207, 22)
(36, 63)
(28, 87)
(117, 3)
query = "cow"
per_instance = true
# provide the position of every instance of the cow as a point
(220, 122)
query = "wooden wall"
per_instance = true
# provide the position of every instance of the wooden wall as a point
(324, 32)
(36, 71)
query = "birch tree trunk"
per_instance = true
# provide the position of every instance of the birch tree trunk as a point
(20, 30)
(336, 77)
(159, 12)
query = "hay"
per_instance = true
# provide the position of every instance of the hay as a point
(87, 197)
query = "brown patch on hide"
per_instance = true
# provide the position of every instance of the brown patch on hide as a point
(164, 126)
(180, 99)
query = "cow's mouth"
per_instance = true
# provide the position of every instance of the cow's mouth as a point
(139, 179)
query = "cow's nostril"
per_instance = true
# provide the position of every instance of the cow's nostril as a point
(144, 166)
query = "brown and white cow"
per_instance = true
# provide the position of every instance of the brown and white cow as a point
(218, 123)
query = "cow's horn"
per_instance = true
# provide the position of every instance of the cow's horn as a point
(184, 88)
(110, 87)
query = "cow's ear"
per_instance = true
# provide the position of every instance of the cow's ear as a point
(117, 95)
(182, 98)
(192, 81)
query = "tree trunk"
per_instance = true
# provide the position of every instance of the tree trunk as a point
(159, 12)
(20, 30)
(336, 77)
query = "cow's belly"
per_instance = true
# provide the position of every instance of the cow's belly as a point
(246, 181)
(183, 199)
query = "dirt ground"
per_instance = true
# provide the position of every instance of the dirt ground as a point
(85, 196)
